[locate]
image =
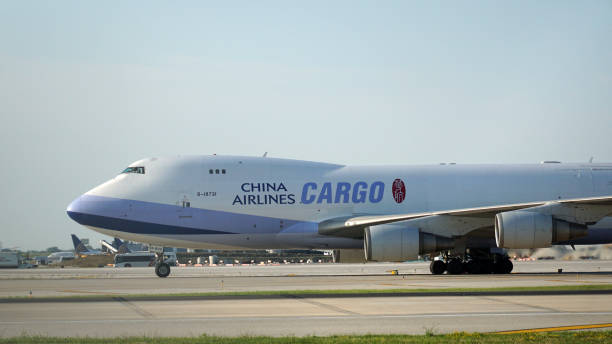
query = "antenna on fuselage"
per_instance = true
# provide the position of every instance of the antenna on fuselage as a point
(591, 160)
(265, 154)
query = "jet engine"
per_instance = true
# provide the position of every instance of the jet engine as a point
(395, 243)
(530, 229)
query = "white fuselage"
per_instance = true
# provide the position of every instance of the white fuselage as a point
(278, 203)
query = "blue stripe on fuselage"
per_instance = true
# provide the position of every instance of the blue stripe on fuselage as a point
(130, 226)
(156, 218)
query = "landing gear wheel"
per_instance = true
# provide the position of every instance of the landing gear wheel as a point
(486, 266)
(472, 267)
(437, 267)
(162, 269)
(454, 267)
(507, 266)
(500, 265)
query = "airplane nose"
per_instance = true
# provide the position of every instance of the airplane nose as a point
(76, 209)
(87, 208)
(91, 210)
(73, 205)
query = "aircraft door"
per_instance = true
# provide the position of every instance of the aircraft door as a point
(184, 211)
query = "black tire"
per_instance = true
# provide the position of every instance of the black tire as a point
(486, 266)
(507, 266)
(162, 270)
(473, 267)
(498, 266)
(454, 267)
(437, 267)
(127, 265)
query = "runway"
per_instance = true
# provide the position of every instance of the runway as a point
(122, 281)
(293, 314)
(302, 316)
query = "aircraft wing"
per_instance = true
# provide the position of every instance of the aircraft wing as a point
(578, 210)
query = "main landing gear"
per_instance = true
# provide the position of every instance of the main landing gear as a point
(162, 269)
(474, 262)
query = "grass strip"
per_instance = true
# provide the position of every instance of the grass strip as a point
(605, 288)
(429, 338)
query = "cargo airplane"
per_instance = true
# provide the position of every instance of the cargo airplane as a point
(465, 215)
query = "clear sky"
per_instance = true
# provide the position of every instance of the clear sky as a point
(88, 87)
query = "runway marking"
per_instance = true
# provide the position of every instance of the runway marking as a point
(321, 304)
(520, 304)
(559, 328)
(134, 307)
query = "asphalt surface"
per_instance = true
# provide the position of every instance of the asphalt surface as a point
(296, 315)
(302, 316)
(121, 281)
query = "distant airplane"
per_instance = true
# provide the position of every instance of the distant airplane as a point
(81, 250)
(58, 257)
(466, 214)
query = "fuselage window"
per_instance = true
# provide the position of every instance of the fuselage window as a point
(210, 171)
(137, 169)
(223, 171)
(217, 171)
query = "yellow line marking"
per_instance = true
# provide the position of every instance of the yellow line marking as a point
(559, 328)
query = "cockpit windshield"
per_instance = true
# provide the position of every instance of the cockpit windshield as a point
(135, 169)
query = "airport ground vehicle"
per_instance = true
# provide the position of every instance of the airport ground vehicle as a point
(41, 260)
(9, 260)
(466, 214)
(137, 259)
(134, 259)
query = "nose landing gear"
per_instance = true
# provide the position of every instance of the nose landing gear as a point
(162, 269)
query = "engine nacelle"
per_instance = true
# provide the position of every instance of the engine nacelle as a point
(396, 243)
(530, 229)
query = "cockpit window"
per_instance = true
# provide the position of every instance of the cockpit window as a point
(135, 169)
